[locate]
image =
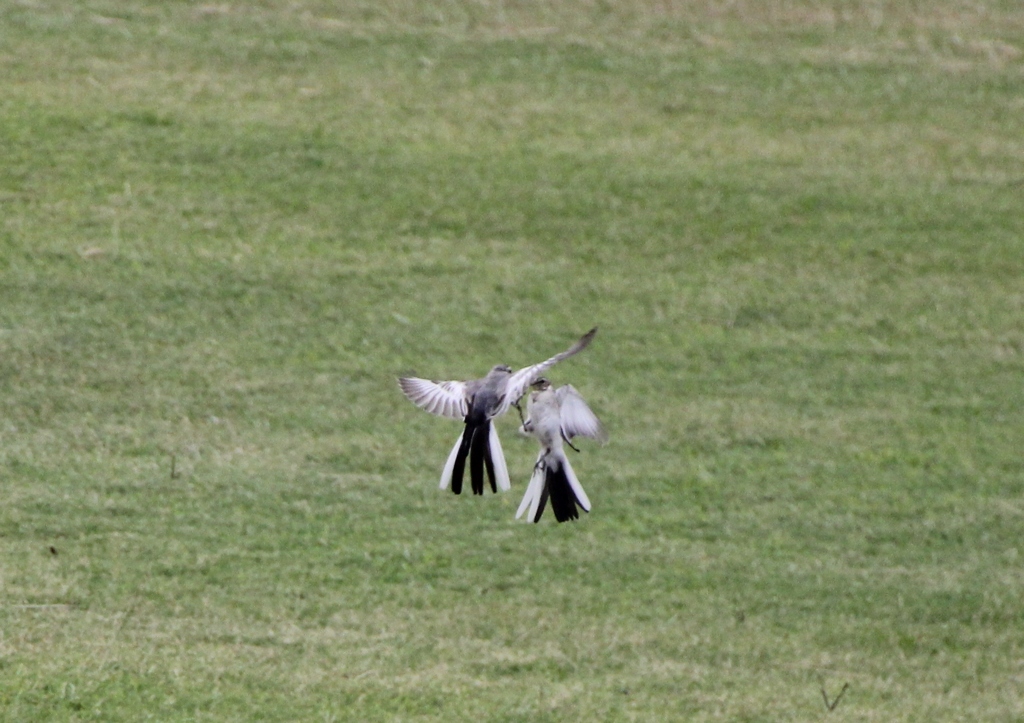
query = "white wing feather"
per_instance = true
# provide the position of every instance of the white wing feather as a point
(520, 381)
(576, 417)
(445, 399)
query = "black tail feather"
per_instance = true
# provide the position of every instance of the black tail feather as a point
(459, 468)
(479, 453)
(476, 445)
(542, 504)
(489, 462)
(563, 499)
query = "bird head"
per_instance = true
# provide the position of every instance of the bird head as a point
(502, 368)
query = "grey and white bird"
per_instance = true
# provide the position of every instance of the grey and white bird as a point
(555, 416)
(476, 403)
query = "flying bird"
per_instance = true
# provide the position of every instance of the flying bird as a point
(476, 403)
(556, 416)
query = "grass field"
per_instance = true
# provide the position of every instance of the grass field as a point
(226, 228)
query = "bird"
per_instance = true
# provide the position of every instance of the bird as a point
(556, 416)
(476, 403)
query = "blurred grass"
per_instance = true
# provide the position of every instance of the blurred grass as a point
(227, 228)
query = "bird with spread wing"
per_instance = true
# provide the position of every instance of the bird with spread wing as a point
(555, 416)
(476, 403)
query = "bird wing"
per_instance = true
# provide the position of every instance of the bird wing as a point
(576, 417)
(445, 399)
(520, 381)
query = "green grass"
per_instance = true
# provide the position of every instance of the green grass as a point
(225, 229)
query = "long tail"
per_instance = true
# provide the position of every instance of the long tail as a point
(449, 467)
(554, 479)
(479, 442)
(498, 459)
(534, 491)
(480, 457)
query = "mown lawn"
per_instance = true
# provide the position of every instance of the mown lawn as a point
(226, 228)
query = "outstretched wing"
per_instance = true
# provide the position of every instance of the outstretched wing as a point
(576, 417)
(445, 399)
(519, 382)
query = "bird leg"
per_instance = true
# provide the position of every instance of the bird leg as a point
(519, 409)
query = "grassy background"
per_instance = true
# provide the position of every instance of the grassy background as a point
(226, 228)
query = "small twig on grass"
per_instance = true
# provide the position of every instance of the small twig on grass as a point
(832, 706)
(174, 474)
